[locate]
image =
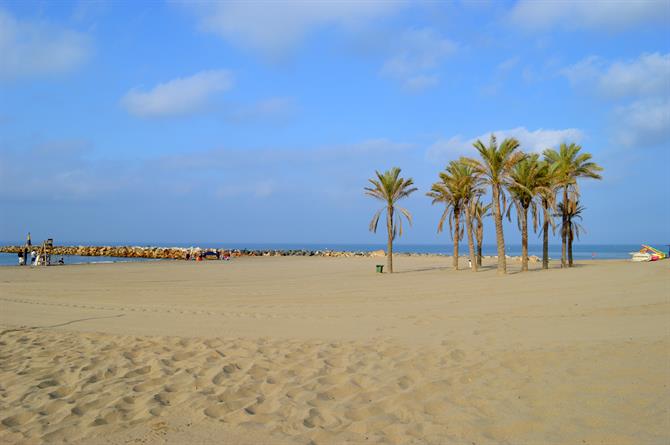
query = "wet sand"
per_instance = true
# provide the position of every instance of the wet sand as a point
(323, 350)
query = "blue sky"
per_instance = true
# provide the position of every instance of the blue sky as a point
(261, 121)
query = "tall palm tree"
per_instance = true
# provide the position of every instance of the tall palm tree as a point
(528, 181)
(494, 168)
(479, 212)
(390, 188)
(548, 200)
(573, 211)
(458, 185)
(570, 165)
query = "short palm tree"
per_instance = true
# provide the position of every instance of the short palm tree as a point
(528, 182)
(573, 211)
(479, 212)
(494, 168)
(390, 188)
(457, 187)
(570, 165)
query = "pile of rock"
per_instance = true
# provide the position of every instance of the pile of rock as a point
(112, 251)
(178, 253)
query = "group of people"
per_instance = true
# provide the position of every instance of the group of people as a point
(200, 255)
(23, 257)
(34, 258)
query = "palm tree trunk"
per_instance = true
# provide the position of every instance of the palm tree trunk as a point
(471, 243)
(389, 250)
(564, 227)
(457, 224)
(570, 239)
(524, 240)
(545, 235)
(480, 240)
(500, 238)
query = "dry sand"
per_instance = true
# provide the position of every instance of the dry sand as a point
(323, 350)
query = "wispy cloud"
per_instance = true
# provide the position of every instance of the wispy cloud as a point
(640, 87)
(178, 96)
(535, 141)
(644, 122)
(273, 109)
(259, 189)
(416, 56)
(237, 158)
(38, 48)
(610, 15)
(275, 28)
(648, 74)
(58, 170)
(500, 74)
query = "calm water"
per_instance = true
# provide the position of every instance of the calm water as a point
(11, 259)
(580, 251)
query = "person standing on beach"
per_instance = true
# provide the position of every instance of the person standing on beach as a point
(26, 248)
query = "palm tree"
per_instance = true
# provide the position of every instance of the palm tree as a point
(479, 212)
(528, 181)
(390, 188)
(548, 200)
(457, 186)
(494, 168)
(570, 165)
(573, 211)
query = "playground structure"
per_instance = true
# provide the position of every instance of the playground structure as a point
(648, 253)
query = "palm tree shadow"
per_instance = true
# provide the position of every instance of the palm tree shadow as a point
(423, 269)
(551, 268)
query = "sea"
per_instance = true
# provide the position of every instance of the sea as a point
(580, 251)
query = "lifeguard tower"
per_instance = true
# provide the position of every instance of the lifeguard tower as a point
(44, 253)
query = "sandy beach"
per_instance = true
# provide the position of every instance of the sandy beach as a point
(300, 350)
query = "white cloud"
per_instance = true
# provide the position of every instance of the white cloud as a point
(646, 75)
(178, 96)
(644, 122)
(533, 141)
(274, 28)
(417, 53)
(611, 15)
(37, 48)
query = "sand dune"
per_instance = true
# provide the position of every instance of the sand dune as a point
(305, 350)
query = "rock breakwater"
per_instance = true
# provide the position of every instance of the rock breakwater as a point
(182, 253)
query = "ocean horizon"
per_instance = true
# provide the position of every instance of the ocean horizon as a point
(580, 251)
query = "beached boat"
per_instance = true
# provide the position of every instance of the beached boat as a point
(647, 253)
(640, 257)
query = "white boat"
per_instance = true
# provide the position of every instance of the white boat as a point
(640, 257)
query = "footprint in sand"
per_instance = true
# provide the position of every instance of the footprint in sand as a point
(18, 419)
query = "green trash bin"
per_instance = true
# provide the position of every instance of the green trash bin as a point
(380, 268)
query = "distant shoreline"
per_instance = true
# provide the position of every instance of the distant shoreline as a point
(124, 254)
(178, 250)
